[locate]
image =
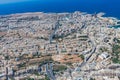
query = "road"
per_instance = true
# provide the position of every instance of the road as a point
(56, 27)
(91, 53)
(49, 71)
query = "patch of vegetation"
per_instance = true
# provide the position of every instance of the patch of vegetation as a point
(69, 54)
(21, 65)
(63, 51)
(104, 49)
(119, 77)
(116, 53)
(44, 60)
(83, 39)
(1, 37)
(41, 38)
(116, 40)
(30, 79)
(11, 78)
(92, 79)
(58, 68)
(81, 56)
(7, 57)
(71, 58)
(85, 36)
(69, 63)
(46, 77)
(36, 73)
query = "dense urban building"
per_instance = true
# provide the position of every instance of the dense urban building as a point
(59, 46)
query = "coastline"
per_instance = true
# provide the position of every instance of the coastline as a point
(100, 14)
(55, 7)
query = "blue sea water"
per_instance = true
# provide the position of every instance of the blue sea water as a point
(110, 7)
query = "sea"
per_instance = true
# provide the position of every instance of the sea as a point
(110, 7)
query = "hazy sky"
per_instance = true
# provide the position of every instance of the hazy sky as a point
(11, 1)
